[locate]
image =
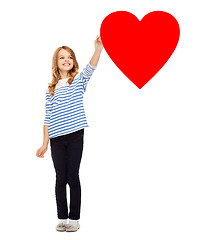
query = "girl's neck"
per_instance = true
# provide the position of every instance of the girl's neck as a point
(64, 75)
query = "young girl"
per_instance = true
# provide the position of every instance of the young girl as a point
(64, 125)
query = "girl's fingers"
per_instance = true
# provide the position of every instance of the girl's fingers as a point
(40, 154)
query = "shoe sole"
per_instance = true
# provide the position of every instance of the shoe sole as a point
(73, 230)
(61, 230)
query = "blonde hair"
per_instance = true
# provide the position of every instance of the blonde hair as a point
(55, 70)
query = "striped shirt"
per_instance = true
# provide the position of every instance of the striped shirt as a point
(64, 112)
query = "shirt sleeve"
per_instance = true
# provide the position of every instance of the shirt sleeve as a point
(48, 107)
(86, 74)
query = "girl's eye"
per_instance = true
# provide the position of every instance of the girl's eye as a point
(62, 57)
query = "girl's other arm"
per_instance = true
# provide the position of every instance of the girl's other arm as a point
(48, 108)
(46, 136)
(41, 151)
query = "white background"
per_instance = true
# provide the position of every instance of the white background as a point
(143, 167)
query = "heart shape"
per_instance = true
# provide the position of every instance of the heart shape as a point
(139, 48)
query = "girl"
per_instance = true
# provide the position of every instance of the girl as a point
(64, 125)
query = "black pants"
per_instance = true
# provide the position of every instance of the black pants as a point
(66, 152)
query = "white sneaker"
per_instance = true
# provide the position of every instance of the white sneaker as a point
(61, 227)
(71, 228)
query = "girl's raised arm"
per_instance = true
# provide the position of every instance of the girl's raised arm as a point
(98, 49)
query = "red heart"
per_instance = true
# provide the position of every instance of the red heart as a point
(139, 48)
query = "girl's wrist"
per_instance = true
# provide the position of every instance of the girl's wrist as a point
(98, 50)
(45, 144)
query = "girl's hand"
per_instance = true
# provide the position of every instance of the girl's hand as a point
(98, 43)
(41, 151)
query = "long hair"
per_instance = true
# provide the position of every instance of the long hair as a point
(55, 70)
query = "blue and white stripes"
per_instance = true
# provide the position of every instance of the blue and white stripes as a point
(64, 112)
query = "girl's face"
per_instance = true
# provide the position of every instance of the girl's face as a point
(65, 61)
